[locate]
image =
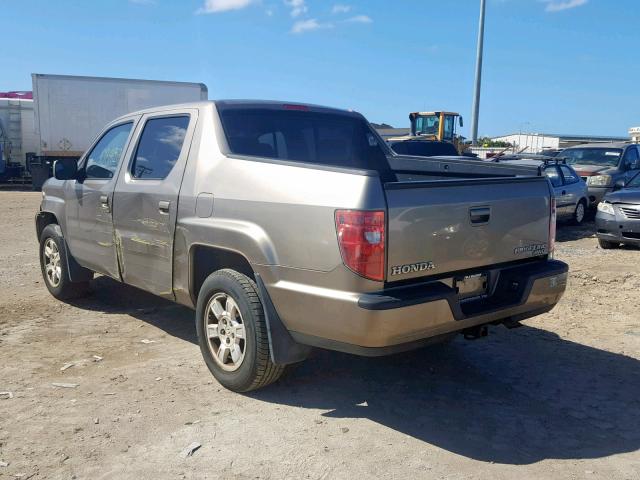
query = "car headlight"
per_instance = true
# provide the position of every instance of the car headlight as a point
(600, 180)
(606, 207)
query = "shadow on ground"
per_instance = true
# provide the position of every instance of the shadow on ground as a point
(566, 232)
(110, 296)
(518, 397)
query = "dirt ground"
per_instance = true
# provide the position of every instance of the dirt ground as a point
(558, 398)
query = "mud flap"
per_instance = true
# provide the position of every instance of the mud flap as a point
(284, 349)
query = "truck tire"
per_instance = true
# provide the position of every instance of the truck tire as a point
(54, 265)
(232, 332)
(607, 245)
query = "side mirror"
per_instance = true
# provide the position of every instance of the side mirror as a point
(65, 169)
(461, 122)
(619, 185)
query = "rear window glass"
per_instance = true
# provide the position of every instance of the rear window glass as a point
(424, 148)
(302, 136)
(554, 176)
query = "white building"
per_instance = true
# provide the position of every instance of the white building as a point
(634, 133)
(537, 142)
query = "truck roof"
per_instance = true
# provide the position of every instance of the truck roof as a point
(233, 103)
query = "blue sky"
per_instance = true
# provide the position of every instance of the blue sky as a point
(565, 66)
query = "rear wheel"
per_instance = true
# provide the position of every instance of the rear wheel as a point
(607, 245)
(55, 268)
(232, 332)
(579, 213)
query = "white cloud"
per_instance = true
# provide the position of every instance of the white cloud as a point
(559, 5)
(217, 6)
(338, 8)
(298, 7)
(302, 26)
(360, 19)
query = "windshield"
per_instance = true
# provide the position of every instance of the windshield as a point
(607, 157)
(634, 182)
(427, 125)
(303, 136)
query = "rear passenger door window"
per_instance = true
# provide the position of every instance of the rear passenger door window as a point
(554, 176)
(159, 147)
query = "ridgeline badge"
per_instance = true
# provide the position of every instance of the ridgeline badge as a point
(532, 250)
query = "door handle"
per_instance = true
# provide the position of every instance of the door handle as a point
(163, 207)
(479, 215)
(104, 202)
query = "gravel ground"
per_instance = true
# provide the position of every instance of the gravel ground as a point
(558, 398)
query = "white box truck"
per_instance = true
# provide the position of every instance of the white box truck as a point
(71, 110)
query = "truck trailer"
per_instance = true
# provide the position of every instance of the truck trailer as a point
(70, 110)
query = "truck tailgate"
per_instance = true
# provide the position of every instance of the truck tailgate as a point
(443, 226)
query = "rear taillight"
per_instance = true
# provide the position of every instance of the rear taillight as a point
(361, 237)
(552, 227)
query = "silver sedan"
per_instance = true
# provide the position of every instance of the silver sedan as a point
(571, 191)
(572, 196)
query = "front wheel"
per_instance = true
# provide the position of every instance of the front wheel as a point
(232, 332)
(55, 268)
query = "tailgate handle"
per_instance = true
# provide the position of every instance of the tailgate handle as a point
(479, 215)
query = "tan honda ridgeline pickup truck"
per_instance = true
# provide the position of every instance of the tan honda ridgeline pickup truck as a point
(291, 226)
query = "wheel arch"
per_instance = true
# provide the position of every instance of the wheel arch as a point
(43, 219)
(75, 271)
(206, 259)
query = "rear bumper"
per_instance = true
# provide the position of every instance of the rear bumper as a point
(405, 317)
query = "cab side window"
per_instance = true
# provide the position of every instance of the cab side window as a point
(102, 163)
(569, 175)
(159, 147)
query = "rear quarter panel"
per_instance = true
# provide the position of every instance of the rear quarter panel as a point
(273, 213)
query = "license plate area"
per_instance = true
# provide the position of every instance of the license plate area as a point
(471, 286)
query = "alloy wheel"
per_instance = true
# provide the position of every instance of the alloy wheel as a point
(226, 331)
(52, 266)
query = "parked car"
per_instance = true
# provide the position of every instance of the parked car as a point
(603, 166)
(618, 216)
(572, 197)
(288, 227)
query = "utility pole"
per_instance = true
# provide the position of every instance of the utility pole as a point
(476, 91)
